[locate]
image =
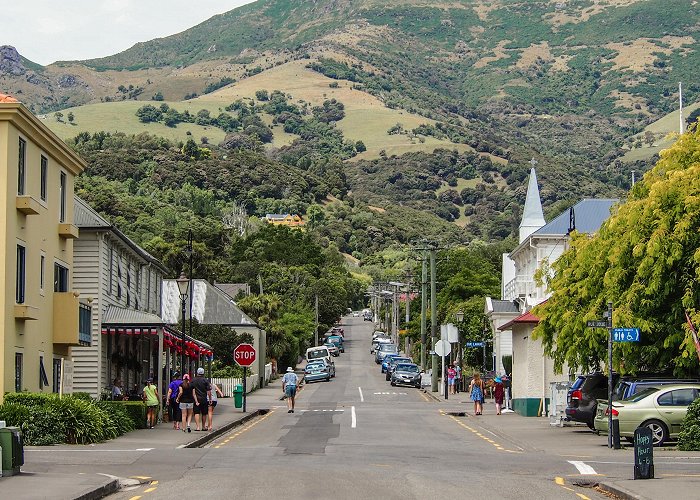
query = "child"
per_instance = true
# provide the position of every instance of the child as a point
(498, 393)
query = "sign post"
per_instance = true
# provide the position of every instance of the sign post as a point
(244, 355)
(442, 349)
(643, 454)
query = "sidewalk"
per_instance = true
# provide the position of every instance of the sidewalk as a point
(50, 472)
(533, 434)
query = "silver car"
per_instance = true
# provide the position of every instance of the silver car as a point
(383, 350)
(406, 374)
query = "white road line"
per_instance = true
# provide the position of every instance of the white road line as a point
(583, 468)
(354, 418)
(362, 398)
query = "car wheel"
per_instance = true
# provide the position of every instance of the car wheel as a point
(591, 425)
(418, 385)
(659, 432)
(328, 379)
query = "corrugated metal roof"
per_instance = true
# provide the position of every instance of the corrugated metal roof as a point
(210, 306)
(233, 289)
(85, 216)
(121, 316)
(504, 306)
(589, 215)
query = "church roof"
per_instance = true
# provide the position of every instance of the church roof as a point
(533, 217)
(589, 215)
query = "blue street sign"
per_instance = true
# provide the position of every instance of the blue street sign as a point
(626, 334)
(475, 344)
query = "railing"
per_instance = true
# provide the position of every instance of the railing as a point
(227, 385)
(520, 285)
(85, 325)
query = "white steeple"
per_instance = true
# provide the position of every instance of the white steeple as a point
(533, 218)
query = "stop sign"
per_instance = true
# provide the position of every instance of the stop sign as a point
(244, 354)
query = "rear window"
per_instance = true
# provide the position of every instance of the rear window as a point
(320, 353)
(388, 348)
(578, 383)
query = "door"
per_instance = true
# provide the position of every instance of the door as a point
(673, 405)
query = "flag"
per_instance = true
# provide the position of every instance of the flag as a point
(694, 332)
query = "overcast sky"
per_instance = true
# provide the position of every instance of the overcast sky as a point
(45, 31)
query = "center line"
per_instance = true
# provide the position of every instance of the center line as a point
(362, 398)
(354, 418)
(582, 467)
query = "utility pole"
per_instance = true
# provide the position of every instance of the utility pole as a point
(423, 310)
(433, 322)
(316, 323)
(609, 317)
(680, 106)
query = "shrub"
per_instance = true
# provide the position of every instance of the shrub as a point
(689, 437)
(82, 395)
(29, 399)
(14, 414)
(44, 426)
(118, 414)
(136, 411)
(84, 422)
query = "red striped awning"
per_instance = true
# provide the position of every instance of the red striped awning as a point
(129, 331)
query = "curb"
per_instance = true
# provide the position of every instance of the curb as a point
(101, 491)
(620, 492)
(211, 436)
(430, 395)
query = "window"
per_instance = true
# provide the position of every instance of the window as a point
(44, 176)
(60, 278)
(18, 372)
(21, 173)
(679, 397)
(119, 277)
(111, 269)
(43, 379)
(56, 375)
(21, 275)
(148, 290)
(42, 272)
(62, 214)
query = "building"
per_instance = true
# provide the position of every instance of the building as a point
(510, 319)
(284, 220)
(43, 316)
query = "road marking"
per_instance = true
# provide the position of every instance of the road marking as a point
(424, 397)
(149, 490)
(498, 446)
(153, 483)
(390, 394)
(141, 477)
(43, 450)
(135, 498)
(354, 418)
(248, 427)
(583, 467)
(336, 411)
(559, 481)
(144, 449)
(362, 397)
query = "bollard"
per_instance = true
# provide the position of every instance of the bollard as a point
(616, 434)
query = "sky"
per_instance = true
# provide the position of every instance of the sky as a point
(45, 31)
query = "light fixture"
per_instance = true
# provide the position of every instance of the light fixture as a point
(183, 285)
(459, 315)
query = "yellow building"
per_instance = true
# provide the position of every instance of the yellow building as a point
(284, 220)
(42, 317)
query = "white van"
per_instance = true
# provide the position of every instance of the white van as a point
(313, 353)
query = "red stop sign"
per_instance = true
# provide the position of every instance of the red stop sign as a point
(244, 354)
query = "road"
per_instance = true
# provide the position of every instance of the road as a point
(358, 437)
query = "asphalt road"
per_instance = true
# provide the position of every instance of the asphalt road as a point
(358, 437)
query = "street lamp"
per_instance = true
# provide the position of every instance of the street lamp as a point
(183, 285)
(459, 316)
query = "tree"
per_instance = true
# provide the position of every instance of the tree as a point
(158, 96)
(58, 115)
(315, 215)
(71, 117)
(645, 260)
(262, 95)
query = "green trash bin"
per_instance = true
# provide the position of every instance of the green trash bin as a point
(238, 396)
(12, 450)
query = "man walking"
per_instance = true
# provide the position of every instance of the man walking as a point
(173, 408)
(202, 391)
(289, 386)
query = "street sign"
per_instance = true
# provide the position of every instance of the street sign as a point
(626, 334)
(474, 344)
(442, 348)
(244, 355)
(597, 323)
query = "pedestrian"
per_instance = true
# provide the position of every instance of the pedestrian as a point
(476, 393)
(150, 397)
(212, 404)
(185, 398)
(289, 386)
(173, 408)
(498, 394)
(202, 396)
(451, 374)
(117, 394)
(458, 378)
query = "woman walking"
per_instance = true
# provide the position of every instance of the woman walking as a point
(173, 407)
(150, 397)
(212, 404)
(185, 399)
(451, 374)
(498, 394)
(476, 392)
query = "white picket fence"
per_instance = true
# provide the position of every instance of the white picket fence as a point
(227, 385)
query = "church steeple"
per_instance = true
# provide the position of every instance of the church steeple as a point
(533, 218)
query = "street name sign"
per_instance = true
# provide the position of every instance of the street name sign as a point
(475, 344)
(597, 323)
(244, 355)
(626, 334)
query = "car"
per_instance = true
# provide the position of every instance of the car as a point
(378, 333)
(336, 330)
(367, 316)
(332, 348)
(337, 340)
(393, 361)
(660, 409)
(377, 342)
(317, 370)
(384, 349)
(406, 374)
(356, 314)
(627, 387)
(320, 352)
(385, 361)
(583, 397)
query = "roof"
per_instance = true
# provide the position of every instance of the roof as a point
(276, 216)
(210, 306)
(233, 289)
(7, 98)
(86, 218)
(130, 317)
(504, 306)
(589, 215)
(528, 317)
(533, 218)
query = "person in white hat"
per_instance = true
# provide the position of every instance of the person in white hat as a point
(289, 386)
(202, 396)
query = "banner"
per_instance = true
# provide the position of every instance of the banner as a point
(695, 334)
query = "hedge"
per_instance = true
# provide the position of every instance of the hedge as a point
(689, 437)
(46, 419)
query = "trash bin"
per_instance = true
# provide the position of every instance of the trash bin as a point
(12, 450)
(238, 396)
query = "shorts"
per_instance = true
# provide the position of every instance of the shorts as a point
(152, 405)
(213, 404)
(290, 391)
(450, 381)
(202, 408)
(186, 406)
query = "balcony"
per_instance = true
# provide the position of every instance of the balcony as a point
(520, 286)
(28, 205)
(68, 231)
(24, 312)
(71, 320)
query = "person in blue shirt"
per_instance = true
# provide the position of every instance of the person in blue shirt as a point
(289, 386)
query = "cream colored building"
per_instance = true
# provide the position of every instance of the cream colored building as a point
(42, 316)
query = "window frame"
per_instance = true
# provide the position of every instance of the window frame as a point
(22, 167)
(19, 371)
(44, 178)
(57, 274)
(21, 274)
(63, 195)
(42, 273)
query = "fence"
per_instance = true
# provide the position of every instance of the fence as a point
(268, 372)
(227, 385)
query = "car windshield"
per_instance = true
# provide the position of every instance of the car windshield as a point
(320, 353)
(396, 361)
(388, 348)
(641, 395)
(407, 368)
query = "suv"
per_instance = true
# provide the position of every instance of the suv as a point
(584, 395)
(627, 387)
(383, 350)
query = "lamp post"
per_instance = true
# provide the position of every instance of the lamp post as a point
(183, 285)
(459, 316)
(189, 252)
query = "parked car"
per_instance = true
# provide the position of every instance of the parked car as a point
(336, 330)
(317, 370)
(332, 348)
(660, 409)
(377, 342)
(385, 361)
(356, 314)
(406, 374)
(338, 341)
(627, 387)
(583, 399)
(393, 361)
(320, 352)
(383, 350)
(377, 334)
